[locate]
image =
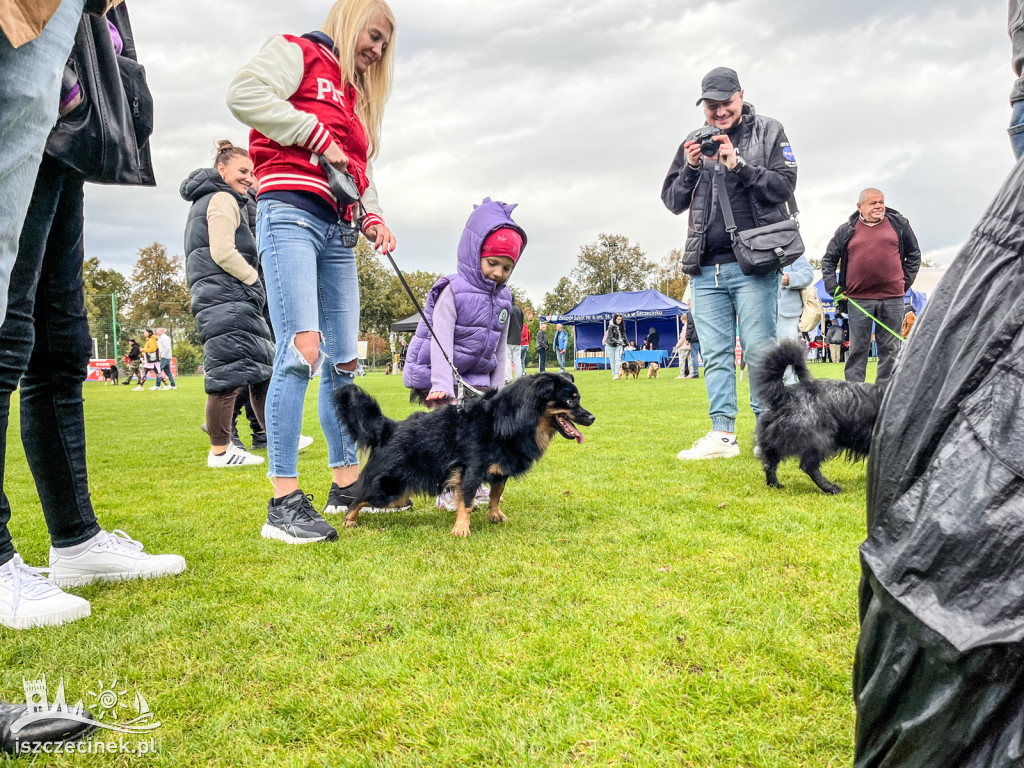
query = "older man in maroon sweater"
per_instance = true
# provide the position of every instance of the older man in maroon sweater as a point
(873, 258)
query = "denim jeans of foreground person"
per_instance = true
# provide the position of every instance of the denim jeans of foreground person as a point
(311, 285)
(30, 78)
(45, 346)
(890, 312)
(614, 355)
(1016, 129)
(721, 296)
(560, 354)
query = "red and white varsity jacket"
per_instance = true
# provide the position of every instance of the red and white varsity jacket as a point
(292, 97)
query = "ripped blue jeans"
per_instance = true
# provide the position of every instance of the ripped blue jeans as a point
(311, 286)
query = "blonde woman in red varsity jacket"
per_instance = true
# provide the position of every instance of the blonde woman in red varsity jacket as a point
(322, 93)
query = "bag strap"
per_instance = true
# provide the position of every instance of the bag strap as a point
(723, 195)
(730, 220)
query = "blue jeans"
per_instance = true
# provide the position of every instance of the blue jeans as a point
(695, 357)
(1016, 129)
(165, 366)
(542, 355)
(614, 355)
(29, 94)
(311, 286)
(525, 349)
(560, 354)
(722, 299)
(45, 346)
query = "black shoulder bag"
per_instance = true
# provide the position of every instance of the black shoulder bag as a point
(763, 250)
(106, 138)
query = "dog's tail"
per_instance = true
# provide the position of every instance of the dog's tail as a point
(771, 373)
(363, 417)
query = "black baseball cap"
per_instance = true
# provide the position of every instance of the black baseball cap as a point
(719, 85)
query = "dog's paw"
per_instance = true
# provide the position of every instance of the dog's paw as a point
(775, 484)
(461, 530)
(832, 489)
(496, 517)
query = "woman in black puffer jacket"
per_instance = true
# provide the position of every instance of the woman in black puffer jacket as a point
(227, 297)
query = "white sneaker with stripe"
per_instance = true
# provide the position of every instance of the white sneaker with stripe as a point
(233, 457)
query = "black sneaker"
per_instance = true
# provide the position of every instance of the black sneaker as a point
(338, 500)
(259, 441)
(293, 520)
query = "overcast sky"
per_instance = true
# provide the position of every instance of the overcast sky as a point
(575, 109)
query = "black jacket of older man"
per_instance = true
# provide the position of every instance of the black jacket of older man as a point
(837, 257)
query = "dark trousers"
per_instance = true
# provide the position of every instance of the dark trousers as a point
(243, 401)
(45, 347)
(542, 355)
(220, 411)
(890, 312)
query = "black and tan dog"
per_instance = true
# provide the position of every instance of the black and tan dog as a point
(813, 419)
(630, 367)
(110, 375)
(491, 438)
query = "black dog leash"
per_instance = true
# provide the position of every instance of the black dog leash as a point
(346, 193)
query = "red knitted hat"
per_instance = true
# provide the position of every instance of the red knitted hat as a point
(502, 242)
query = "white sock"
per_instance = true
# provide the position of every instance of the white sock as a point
(78, 549)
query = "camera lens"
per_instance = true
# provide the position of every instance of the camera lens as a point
(709, 147)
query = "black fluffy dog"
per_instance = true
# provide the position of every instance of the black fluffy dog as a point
(812, 418)
(110, 375)
(492, 438)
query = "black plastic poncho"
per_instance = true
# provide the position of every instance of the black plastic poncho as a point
(939, 672)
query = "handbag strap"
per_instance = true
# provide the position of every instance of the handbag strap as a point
(730, 220)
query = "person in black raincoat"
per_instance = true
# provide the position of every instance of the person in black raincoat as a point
(939, 670)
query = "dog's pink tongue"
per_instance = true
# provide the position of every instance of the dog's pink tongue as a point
(579, 437)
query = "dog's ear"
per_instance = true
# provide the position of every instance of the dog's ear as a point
(515, 408)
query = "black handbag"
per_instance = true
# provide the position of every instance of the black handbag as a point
(767, 249)
(106, 139)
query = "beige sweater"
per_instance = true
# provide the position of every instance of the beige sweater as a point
(224, 217)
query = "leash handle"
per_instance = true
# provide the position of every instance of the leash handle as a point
(840, 296)
(462, 383)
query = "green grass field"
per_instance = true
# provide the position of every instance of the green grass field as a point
(634, 610)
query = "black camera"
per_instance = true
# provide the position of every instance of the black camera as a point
(708, 146)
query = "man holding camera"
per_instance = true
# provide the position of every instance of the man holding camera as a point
(750, 157)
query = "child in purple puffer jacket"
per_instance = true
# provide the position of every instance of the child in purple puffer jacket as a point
(469, 312)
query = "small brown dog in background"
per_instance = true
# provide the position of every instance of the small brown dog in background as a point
(630, 367)
(652, 372)
(388, 369)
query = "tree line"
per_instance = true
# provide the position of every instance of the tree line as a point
(156, 293)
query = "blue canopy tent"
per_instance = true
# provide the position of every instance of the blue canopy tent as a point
(640, 310)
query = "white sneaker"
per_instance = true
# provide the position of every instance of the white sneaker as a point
(113, 557)
(232, 457)
(714, 445)
(29, 599)
(305, 441)
(446, 501)
(138, 388)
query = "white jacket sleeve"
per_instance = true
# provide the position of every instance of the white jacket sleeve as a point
(258, 96)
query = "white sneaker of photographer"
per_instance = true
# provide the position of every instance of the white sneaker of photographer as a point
(714, 445)
(109, 557)
(29, 599)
